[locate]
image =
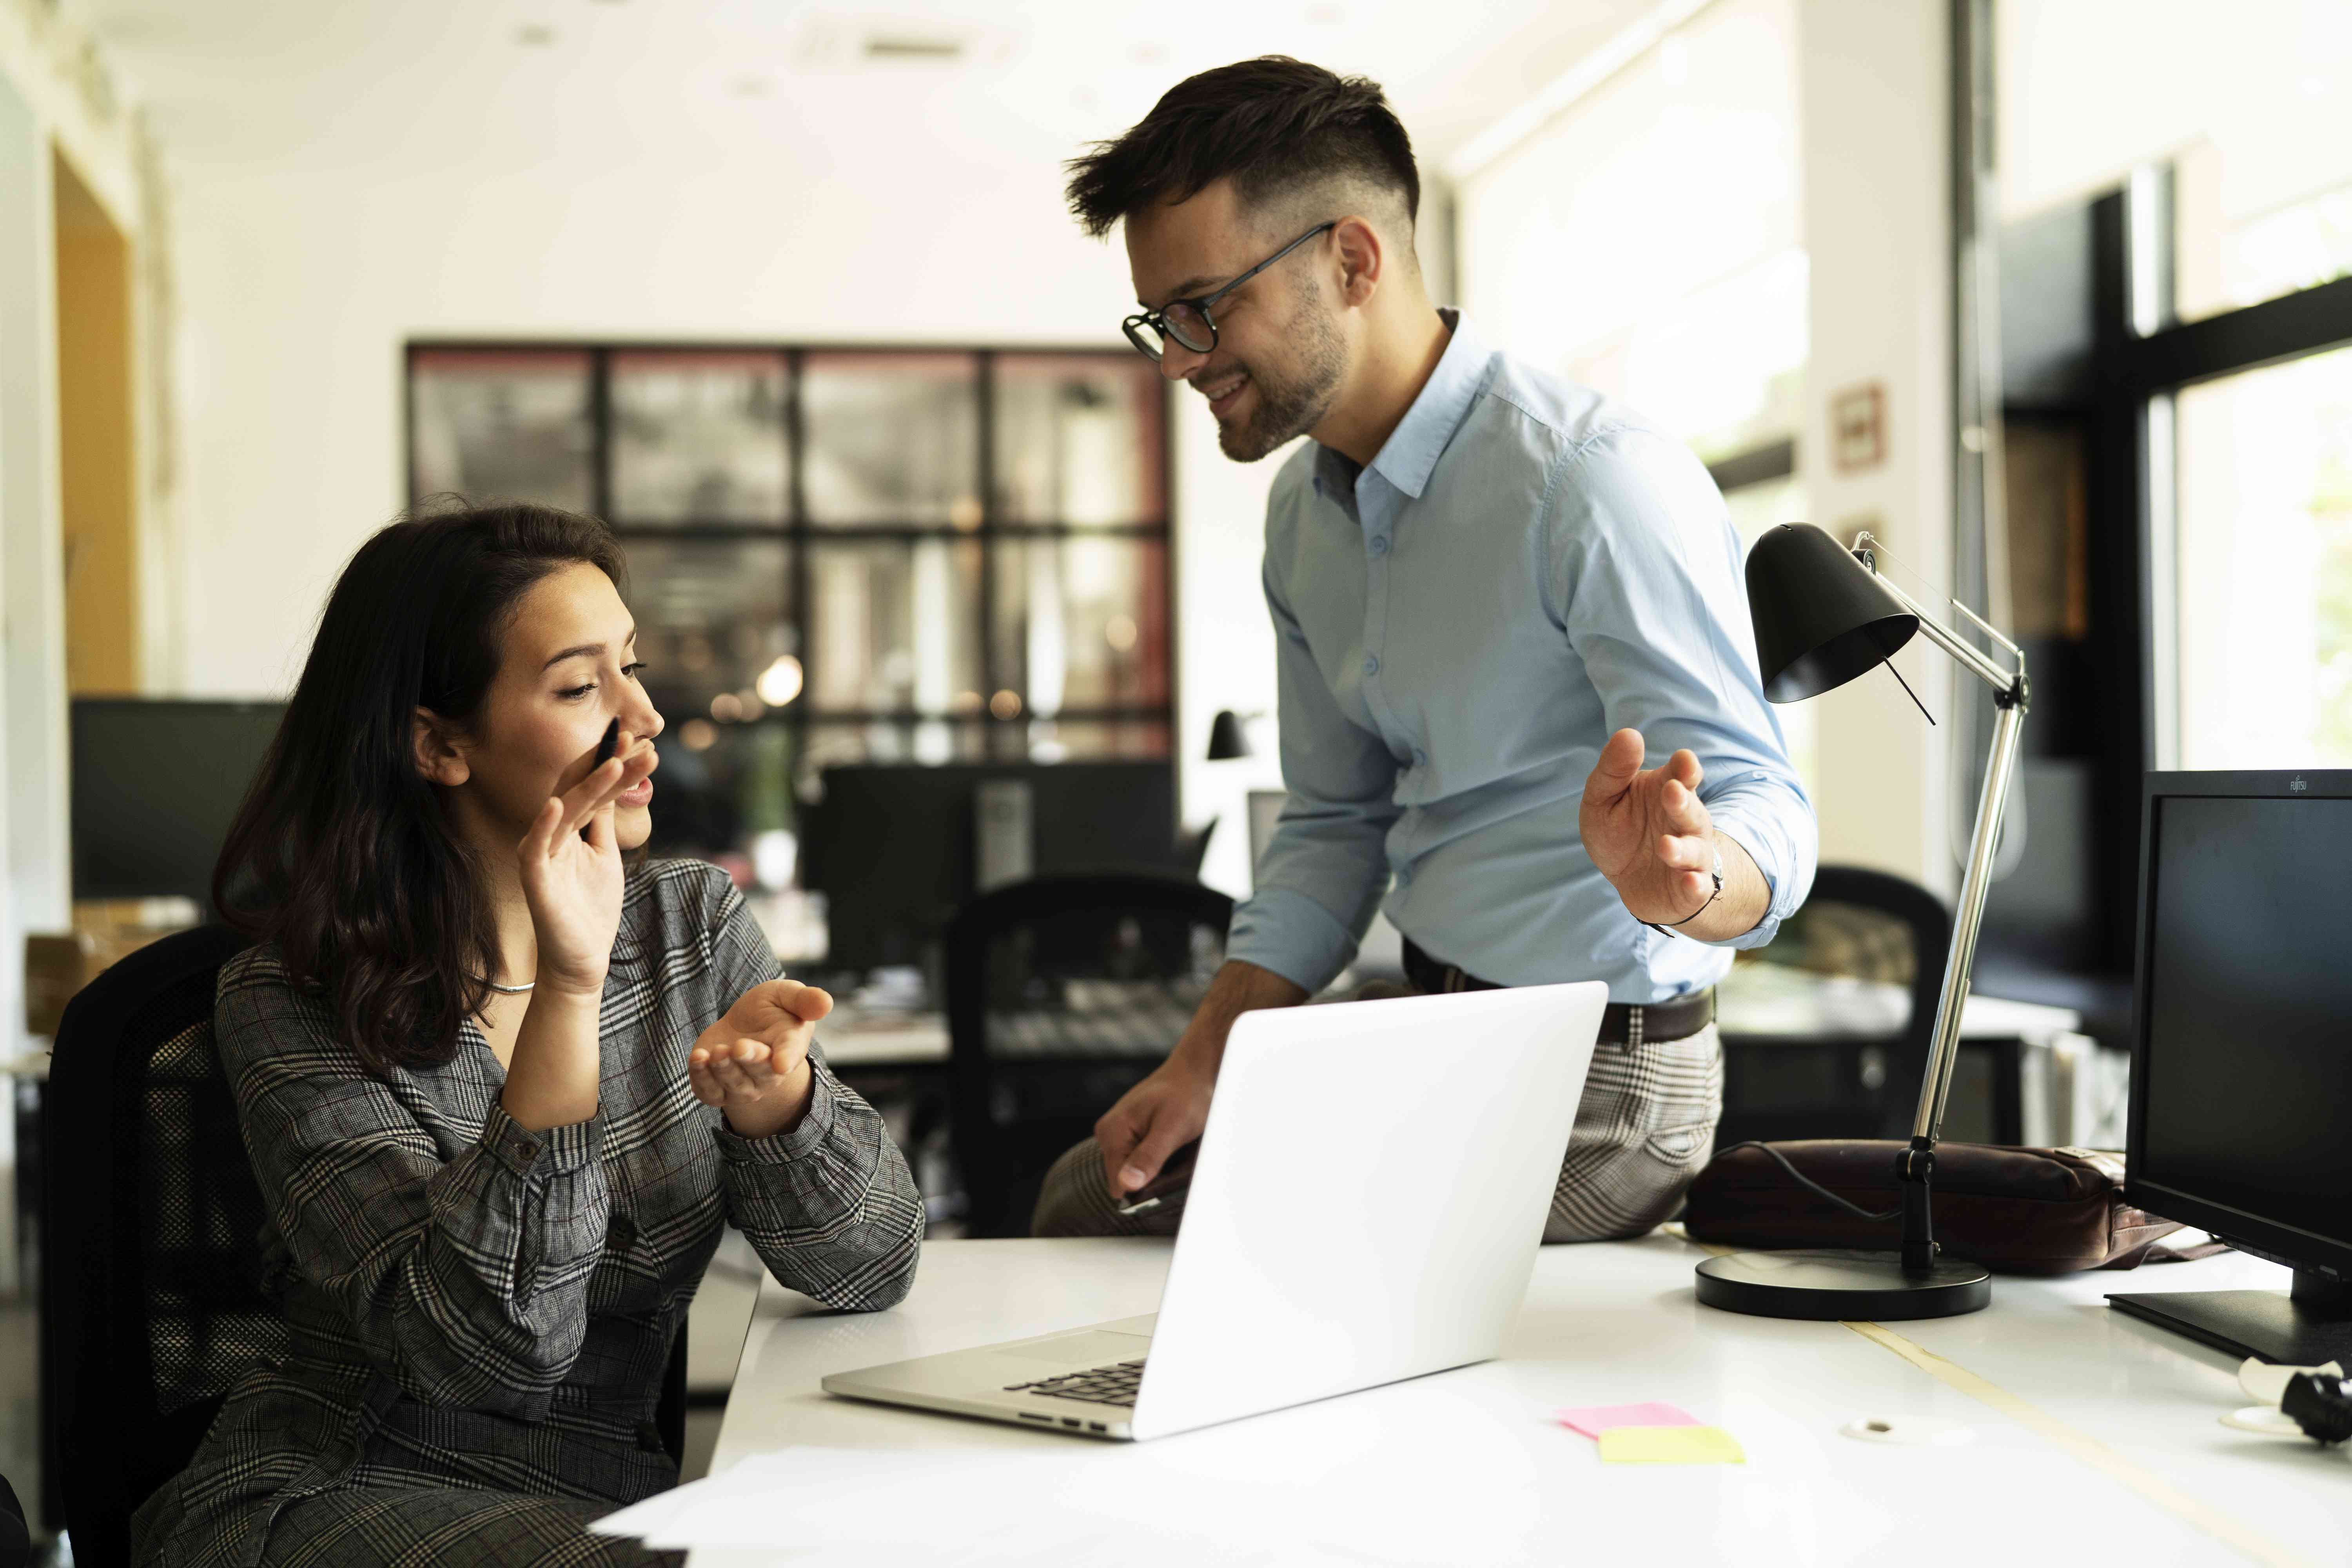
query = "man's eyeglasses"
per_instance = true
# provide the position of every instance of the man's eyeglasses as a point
(1187, 322)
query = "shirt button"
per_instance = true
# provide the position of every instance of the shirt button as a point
(1380, 545)
(527, 1149)
(1371, 665)
(1404, 876)
(1420, 758)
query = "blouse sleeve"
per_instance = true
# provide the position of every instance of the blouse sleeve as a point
(467, 1278)
(830, 1206)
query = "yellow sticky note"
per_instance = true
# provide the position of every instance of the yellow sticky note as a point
(1669, 1445)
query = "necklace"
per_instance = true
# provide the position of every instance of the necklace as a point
(510, 990)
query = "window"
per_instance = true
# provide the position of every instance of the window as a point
(836, 556)
(2246, 104)
(2265, 574)
(1648, 242)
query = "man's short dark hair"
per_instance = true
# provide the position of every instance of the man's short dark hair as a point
(1271, 125)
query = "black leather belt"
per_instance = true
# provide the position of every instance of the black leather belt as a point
(1623, 1023)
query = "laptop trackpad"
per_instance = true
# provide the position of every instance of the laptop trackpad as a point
(1093, 1348)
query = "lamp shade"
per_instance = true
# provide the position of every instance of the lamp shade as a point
(1226, 739)
(1821, 616)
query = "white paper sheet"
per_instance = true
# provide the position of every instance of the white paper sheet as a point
(944, 1508)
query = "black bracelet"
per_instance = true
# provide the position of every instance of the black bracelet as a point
(1717, 875)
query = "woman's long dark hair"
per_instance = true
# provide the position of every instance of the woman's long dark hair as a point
(342, 853)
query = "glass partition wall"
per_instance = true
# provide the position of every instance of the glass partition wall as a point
(842, 555)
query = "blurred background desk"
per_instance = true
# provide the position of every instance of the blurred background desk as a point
(1805, 1056)
(1819, 1055)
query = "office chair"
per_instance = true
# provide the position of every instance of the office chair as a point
(1872, 926)
(16, 1536)
(152, 1305)
(1062, 993)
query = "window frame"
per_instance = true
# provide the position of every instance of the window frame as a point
(2144, 356)
(1001, 739)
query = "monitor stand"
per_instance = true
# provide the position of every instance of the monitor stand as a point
(2306, 1326)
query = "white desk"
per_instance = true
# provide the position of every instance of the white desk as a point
(1465, 1467)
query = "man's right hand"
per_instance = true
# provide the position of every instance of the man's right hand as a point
(1168, 1110)
(1151, 1122)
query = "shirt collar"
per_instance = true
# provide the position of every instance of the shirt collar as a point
(1410, 455)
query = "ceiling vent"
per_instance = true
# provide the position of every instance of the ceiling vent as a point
(838, 43)
(908, 49)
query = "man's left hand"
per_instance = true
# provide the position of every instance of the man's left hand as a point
(1648, 831)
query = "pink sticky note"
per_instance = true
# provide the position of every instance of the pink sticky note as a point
(1595, 1419)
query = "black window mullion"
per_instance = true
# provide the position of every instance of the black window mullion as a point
(992, 677)
(802, 604)
(1110, 713)
(888, 532)
(408, 420)
(2309, 321)
(600, 433)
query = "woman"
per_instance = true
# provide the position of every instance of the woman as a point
(500, 1089)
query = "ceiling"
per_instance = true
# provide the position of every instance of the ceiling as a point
(437, 87)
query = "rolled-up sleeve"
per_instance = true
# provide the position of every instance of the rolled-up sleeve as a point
(1324, 870)
(465, 1278)
(1647, 578)
(830, 1206)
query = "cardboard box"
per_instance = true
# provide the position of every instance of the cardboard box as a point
(58, 964)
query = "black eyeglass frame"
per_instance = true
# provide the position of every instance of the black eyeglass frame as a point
(1158, 320)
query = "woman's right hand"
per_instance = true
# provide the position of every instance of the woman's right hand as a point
(573, 881)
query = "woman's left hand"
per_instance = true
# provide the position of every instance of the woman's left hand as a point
(753, 1064)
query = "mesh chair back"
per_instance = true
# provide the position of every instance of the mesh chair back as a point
(152, 1305)
(199, 1221)
(1062, 993)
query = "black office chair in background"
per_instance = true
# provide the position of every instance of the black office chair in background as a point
(1871, 926)
(1062, 993)
(151, 1306)
(15, 1540)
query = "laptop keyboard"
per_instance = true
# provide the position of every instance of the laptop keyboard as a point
(1113, 1385)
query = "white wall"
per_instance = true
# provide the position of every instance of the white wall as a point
(1873, 90)
(55, 95)
(301, 287)
(1225, 648)
(32, 602)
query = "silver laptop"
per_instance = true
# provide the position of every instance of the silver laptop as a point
(1445, 1119)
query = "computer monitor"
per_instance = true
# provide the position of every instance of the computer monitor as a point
(155, 784)
(2240, 1116)
(896, 848)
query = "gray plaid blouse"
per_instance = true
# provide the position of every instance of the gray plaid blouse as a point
(472, 1304)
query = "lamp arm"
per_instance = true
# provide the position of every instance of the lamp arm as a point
(1976, 883)
(1944, 637)
(2012, 695)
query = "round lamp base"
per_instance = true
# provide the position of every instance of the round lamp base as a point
(1836, 1285)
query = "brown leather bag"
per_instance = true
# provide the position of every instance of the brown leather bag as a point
(2015, 1211)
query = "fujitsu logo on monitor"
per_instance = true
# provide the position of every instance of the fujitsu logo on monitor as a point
(2297, 784)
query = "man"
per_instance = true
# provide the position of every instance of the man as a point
(1494, 593)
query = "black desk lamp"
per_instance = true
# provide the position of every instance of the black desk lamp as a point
(1227, 739)
(1823, 616)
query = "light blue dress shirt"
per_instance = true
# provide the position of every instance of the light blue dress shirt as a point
(1524, 568)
